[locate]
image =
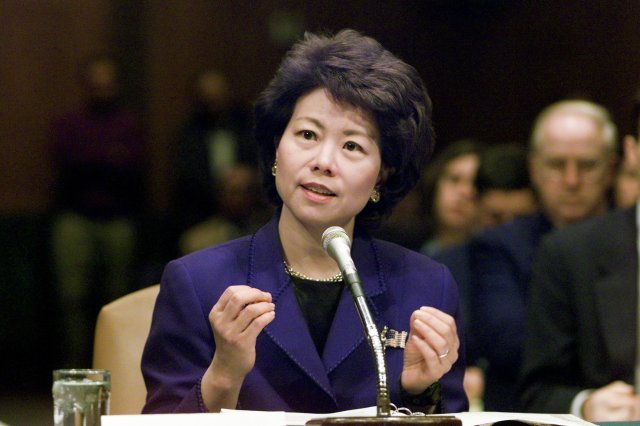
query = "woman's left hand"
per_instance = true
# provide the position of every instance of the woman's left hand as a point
(431, 349)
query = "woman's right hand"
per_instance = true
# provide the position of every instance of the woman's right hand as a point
(236, 319)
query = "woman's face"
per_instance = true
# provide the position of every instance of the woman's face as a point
(456, 204)
(328, 162)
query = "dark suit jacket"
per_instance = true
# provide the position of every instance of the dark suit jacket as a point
(289, 374)
(501, 260)
(581, 328)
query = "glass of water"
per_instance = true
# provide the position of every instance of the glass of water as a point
(80, 396)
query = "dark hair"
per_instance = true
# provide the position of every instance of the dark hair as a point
(433, 173)
(356, 70)
(503, 167)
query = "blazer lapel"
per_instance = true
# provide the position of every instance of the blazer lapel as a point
(617, 290)
(288, 330)
(347, 331)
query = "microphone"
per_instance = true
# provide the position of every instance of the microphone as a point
(337, 244)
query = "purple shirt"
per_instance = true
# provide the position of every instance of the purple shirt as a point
(100, 160)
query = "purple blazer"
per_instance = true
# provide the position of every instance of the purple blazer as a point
(289, 374)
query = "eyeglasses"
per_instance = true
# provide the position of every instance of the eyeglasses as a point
(558, 169)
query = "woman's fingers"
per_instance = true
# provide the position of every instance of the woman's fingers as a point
(235, 298)
(432, 344)
(254, 315)
(436, 329)
(259, 323)
(237, 308)
(431, 350)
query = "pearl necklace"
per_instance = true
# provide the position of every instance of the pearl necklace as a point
(293, 273)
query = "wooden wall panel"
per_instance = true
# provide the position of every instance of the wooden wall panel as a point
(489, 66)
(40, 44)
(185, 37)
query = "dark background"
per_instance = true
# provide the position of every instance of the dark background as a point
(490, 66)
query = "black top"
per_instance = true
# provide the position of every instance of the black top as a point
(318, 302)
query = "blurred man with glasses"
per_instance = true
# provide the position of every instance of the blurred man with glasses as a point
(572, 155)
(581, 344)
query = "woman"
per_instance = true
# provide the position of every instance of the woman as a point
(451, 205)
(265, 322)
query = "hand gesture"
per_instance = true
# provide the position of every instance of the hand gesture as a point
(612, 403)
(236, 319)
(431, 349)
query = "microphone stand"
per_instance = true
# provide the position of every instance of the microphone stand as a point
(383, 404)
(375, 343)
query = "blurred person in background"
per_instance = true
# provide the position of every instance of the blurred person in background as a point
(572, 155)
(581, 342)
(503, 185)
(99, 157)
(504, 193)
(441, 212)
(450, 199)
(450, 214)
(215, 136)
(626, 188)
(242, 210)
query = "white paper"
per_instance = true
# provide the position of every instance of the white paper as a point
(476, 418)
(274, 418)
(281, 418)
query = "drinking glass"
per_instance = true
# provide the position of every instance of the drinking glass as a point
(80, 396)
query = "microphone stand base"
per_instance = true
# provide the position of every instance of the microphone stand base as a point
(386, 421)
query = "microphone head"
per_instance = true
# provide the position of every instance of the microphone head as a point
(331, 234)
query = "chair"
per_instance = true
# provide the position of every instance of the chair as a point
(121, 331)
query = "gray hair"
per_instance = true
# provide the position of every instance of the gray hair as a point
(598, 113)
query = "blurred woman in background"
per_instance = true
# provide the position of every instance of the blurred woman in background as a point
(450, 197)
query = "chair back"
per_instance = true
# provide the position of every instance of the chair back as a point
(121, 332)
